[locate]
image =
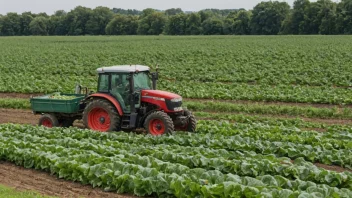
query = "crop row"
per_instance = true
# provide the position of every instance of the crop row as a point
(302, 111)
(117, 169)
(194, 89)
(284, 93)
(243, 118)
(240, 163)
(278, 133)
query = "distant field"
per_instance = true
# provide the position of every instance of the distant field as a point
(312, 69)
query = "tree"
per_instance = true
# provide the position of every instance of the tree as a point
(57, 23)
(1, 18)
(311, 20)
(152, 24)
(327, 16)
(43, 14)
(344, 17)
(204, 15)
(219, 12)
(77, 19)
(147, 12)
(268, 16)
(286, 25)
(122, 25)
(25, 20)
(238, 24)
(176, 24)
(173, 11)
(39, 26)
(98, 20)
(298, 14)
(212, 26)
(193, 24)
(126, 12)
(11, 24)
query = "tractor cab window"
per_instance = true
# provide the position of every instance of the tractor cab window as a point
(103, 85)
(120, 89)
(141, 81)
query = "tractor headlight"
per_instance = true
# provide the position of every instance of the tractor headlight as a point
(178, 109)
(157, 98)
(176, 100)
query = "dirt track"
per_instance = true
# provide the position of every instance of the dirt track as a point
(18, 95)
(332, 168)
(42, 182)
(18, 116)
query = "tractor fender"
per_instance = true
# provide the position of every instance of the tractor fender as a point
(108, 98)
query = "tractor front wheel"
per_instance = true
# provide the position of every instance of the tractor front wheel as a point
(191, 124)
(101, 115)
(48, 120)
(158, 123)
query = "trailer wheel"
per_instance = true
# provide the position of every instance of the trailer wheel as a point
(158, 123)
(101, 115)
(48, 120)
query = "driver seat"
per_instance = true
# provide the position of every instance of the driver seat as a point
(115, 91)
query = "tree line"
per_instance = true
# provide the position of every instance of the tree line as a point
(266, 18)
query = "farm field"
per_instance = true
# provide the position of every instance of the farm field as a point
(283, 68)
(275, 117)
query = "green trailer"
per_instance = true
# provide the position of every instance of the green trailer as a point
(58, 109)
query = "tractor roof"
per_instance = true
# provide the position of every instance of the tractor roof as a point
(123, 69)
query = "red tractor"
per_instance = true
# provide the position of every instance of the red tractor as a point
(126, 99)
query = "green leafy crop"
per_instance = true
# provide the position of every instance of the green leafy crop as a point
(180, 165)
(305, 69)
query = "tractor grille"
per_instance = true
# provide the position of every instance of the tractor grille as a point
(172, 105)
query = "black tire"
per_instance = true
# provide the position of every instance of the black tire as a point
(110, 110)
(68, 122)
(54, 122)
(164, 119)
(192, 122)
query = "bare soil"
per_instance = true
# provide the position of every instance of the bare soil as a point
(18, 116)
(18, 95)
(333, 168)
(21, 179)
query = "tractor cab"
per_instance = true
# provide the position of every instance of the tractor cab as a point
(125, 84)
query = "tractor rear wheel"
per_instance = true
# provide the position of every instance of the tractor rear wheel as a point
(48, 120)
(101, 115)
(158, 123)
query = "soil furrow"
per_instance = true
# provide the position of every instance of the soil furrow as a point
(46, 184)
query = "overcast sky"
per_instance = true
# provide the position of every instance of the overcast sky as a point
(49, 6)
